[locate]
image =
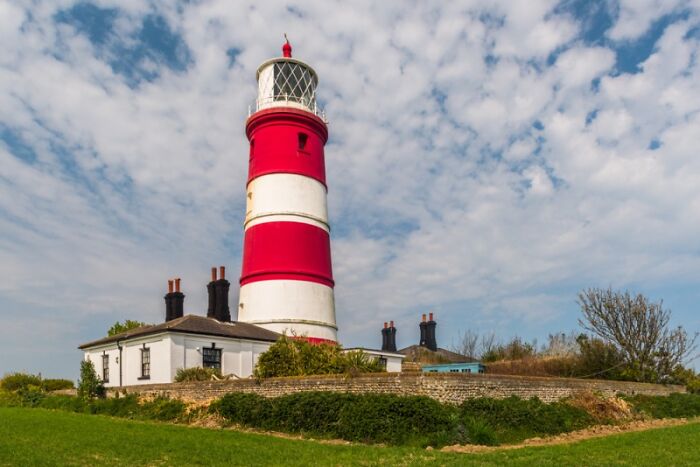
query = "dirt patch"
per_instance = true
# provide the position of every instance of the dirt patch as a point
(597, 431)
(602, 409)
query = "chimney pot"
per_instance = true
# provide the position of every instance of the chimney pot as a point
(177, 284)
(385, 325)
(431, 317)
(391, 324)
(222, 272)
(170, 286)
(423, 317)
(213, 274)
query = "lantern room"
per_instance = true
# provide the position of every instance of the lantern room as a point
(287, 82)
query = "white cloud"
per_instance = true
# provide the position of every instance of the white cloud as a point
(461, 166)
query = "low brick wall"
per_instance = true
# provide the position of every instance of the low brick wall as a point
(444, 387)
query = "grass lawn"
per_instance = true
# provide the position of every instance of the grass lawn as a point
(43, 437)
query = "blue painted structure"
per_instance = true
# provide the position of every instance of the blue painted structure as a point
(467, 367)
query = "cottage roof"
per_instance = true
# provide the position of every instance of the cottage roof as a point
(193, 324)
(421, 354)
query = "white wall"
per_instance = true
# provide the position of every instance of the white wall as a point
(393, 361)
(171, 351)
(131, 360)
(238, 356)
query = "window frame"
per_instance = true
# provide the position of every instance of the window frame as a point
(216, 362)
(105, 367)
(145, 365)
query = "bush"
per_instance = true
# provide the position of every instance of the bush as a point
(17, 381)
(124, 407)
(9, 399)
(245, 409)
(89, 386)
(49, 385)
(392, 419)
(514, 419)
(378, 418)
(309, 412)
(196, 374)
(479, 432)
(672, 406)
(163, 409)
(61, 402)
(297, 357)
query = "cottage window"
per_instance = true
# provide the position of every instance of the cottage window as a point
(105, 368)
(145, 363)
(211, 357)
(382, 362)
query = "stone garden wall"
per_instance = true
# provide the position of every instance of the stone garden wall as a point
(444, 387)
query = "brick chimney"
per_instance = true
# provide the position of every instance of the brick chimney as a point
(391, 338)
(178, 301)
(385, 336)
(423, 333)
(169, 302)
(221, 310)
(430, 340)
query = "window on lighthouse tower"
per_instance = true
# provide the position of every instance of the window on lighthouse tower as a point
(302, 138)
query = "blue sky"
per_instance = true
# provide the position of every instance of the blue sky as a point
(487, 160)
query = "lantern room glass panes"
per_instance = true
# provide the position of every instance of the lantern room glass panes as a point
(294, 82)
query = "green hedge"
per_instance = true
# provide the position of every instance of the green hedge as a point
(23, 381)
(673, 406)
(379, 418)
(513, 419)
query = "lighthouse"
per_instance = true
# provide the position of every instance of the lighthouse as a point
(286, 276)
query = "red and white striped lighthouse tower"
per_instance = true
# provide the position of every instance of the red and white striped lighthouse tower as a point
(287, 280)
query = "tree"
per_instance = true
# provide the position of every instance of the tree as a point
(468, 344)
(90, 385)
(639, 329)
(128, 324)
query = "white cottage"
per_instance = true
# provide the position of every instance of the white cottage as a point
(153, 354)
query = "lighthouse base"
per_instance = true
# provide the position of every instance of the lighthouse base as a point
(297, 308)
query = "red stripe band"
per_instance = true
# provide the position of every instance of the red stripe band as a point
(287, 250)
(286, 141)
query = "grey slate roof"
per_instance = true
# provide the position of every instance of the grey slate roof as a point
(193, 324)
(420, 354)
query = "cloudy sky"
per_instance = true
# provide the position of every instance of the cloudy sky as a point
(487, 160)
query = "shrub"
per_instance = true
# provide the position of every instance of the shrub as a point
(392, 419)
(124, 407)
(9, 399)
(89, 386)
(245, 409)
(30, 396)
(514, 419)
(479, 432)
(672, 406)
(163, 409)
(56, 384)
(61, 402)
(378, 418)
(196, 373)
(17, 381)
(309, 412)
(297, 357)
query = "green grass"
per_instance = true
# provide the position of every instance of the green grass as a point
(44, 437)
